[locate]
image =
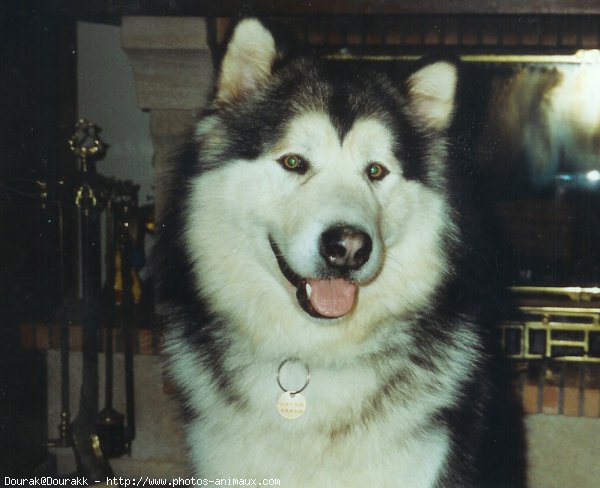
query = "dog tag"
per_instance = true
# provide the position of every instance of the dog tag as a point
(291, 405)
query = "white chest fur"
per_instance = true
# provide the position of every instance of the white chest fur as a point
(334, 443)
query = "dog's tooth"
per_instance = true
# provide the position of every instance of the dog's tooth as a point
(308, 291)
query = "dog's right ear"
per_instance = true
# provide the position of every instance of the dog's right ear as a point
(247, 63)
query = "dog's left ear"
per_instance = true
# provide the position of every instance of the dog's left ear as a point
(247, 63)
(431, 93)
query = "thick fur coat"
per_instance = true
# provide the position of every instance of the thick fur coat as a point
(313, 222)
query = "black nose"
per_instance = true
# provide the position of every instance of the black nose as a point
(345, 247)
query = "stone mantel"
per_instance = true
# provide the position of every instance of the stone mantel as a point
(173, 73)
(171, 61)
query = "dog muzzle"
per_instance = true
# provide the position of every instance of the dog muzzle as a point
(343, 250)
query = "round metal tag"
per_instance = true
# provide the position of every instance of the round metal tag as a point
(291, 405)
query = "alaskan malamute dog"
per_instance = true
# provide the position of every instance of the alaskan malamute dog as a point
(321, 328)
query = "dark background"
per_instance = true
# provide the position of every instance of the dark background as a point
(37, 112)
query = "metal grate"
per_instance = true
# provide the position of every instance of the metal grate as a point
(560, 333)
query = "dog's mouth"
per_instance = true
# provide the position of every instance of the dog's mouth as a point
(325, 298)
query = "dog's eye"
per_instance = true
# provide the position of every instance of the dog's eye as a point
(377, 171)
(293, 162)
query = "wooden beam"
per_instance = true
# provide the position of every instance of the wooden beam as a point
(113, 10)
(394, 7)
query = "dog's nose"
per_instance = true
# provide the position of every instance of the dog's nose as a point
(345, 247)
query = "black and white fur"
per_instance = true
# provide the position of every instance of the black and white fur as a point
(399, 384)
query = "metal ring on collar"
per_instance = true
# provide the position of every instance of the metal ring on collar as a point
(307, 376)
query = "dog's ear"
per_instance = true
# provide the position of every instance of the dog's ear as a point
(247, 63)
(431, 94)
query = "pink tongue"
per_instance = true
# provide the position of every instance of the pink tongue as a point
(332, 298)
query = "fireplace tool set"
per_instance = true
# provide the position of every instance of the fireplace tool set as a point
(96, 435)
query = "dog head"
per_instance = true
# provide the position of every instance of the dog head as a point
(319, 209)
